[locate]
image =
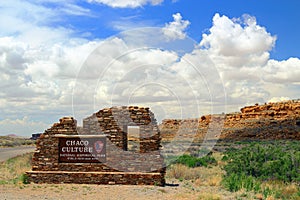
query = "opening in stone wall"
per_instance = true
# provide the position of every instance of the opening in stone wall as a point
(133, 138)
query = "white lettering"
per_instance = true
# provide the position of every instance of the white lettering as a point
(77, 143)
(77, 149)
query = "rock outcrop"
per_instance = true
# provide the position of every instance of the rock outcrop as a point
(268, 121)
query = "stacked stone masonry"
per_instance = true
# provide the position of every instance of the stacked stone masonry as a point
(143, 167)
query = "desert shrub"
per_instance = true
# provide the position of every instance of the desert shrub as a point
(24, 178)
(6, 141)
(265, 162)
(235, 182)
(260, 162)
(193, 161)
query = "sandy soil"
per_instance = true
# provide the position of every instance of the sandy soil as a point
(176, 190)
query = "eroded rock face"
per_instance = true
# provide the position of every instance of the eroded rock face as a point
(268, 121)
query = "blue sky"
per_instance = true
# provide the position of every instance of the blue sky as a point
(196, 57)
(277, 16)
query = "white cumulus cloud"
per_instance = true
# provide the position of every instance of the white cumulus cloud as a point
(286, 71)
(240, 49)
(177, 28)
(238, 42)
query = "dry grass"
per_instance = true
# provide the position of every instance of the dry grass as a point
(286, 190)
(270, 198)
(199, 182)
(211, 176)
(13, 169)
(289, 190)
(179, 171)
(215, 181)
(208, 196)
(202, 176)
(259, 196)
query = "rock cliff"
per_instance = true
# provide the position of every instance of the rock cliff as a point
(271, 121)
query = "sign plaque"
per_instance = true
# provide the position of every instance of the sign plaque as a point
(82, 150)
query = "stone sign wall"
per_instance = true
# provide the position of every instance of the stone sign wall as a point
(97, 153)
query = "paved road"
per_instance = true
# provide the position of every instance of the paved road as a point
(6, 153)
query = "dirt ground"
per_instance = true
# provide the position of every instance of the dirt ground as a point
(174, 190)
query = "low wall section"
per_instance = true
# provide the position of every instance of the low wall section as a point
(120, 166)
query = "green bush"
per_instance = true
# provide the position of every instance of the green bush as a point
(192, 161)
(24, 179)
(248, 167)
(235, 182)
(265, 162)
